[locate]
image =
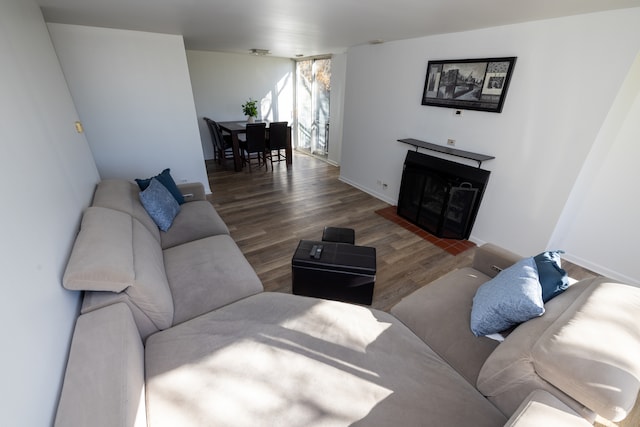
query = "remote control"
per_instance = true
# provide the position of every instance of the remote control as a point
(316, 251)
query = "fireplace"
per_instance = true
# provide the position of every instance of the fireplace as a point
(441, 196)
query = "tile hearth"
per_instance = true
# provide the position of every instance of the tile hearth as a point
(452, 246)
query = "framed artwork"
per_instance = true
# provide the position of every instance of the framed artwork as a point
(468, 84)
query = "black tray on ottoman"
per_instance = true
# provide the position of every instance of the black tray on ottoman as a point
(342, 272)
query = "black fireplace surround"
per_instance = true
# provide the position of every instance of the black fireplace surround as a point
(441, 196)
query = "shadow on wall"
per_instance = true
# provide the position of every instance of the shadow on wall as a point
(270, 102)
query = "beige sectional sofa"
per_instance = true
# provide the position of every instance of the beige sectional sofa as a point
(176, 330)
(165, 278)
(584, 350)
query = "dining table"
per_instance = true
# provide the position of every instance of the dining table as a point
(239, 127)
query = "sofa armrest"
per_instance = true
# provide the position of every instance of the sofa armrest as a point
(490, 259)
(192, 191)
(542, 408)
(582, 350)
(104, 380)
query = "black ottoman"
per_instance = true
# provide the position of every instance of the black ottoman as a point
(340, 272)
(339, 235)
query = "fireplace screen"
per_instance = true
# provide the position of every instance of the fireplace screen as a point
(441, 196)
(458, 210)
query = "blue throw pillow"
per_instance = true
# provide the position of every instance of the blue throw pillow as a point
(165, 179)
(554, 280)
(159, 204)
(512, 297)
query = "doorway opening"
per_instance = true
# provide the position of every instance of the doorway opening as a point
(313, 89)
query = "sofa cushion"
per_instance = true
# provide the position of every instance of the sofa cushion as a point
(427, 312)
(206, 274)
(167, 181)
(122, 195)
(102, 255)
(196, 220)
(150, 291)
(159, 204)
(104, 380)
(281, 359)
(512, 297)
(596, 340)
(95, 300)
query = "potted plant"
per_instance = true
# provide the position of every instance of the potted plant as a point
(250, 109)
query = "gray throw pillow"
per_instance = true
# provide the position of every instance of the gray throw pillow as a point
(512, 297)
(160, 204)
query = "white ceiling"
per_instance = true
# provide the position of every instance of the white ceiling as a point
(303, 27)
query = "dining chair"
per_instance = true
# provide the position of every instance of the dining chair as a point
(254, 145)
(222, 147)
(214, 138)
(277, 141)
(226, 142)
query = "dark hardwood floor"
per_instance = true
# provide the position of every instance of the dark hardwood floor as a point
(269, 212)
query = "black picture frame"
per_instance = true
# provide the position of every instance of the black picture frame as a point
(468, 84)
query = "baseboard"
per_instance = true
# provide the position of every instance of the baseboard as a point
(597, 268)
(373, 193)
(474, 239)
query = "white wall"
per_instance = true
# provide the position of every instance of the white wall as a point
(222, 82)
(603, 206)
(133, 93)
(336, 108)
(566, 77)
(47, 178)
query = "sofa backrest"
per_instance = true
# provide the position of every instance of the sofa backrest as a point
(584, 350)
(115, 253)
(104, 383)
(102, 255)
(197, 218)
(94, 300)
(122, 195)
(490, 259)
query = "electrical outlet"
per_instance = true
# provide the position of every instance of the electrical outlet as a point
(384, 185)
(379, 182)
(451, 142)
